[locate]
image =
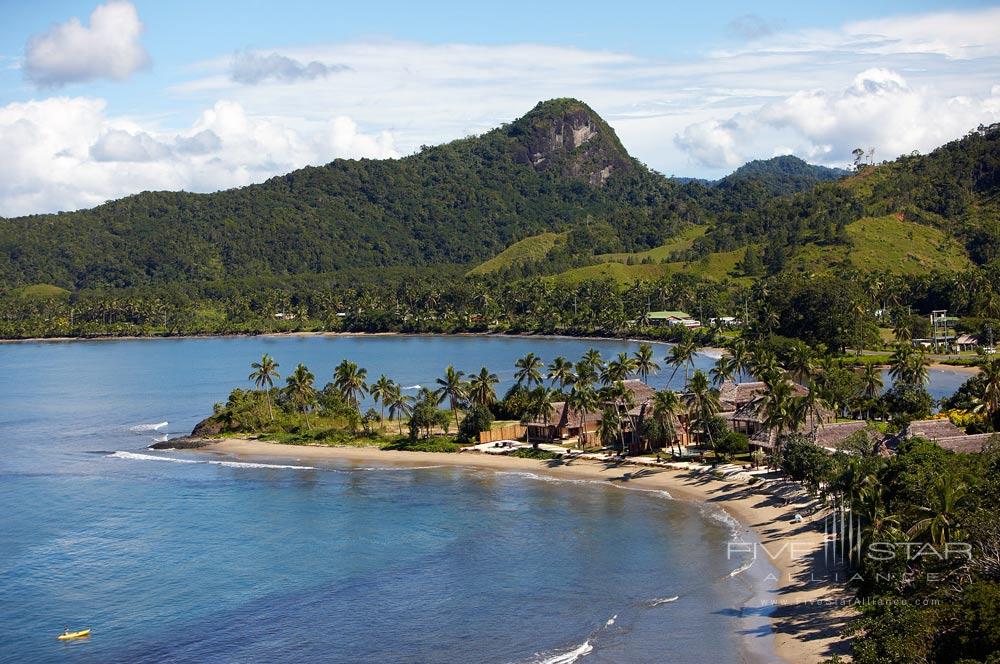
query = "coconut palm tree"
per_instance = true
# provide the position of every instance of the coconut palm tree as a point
(645, 364)
(989, 402)
(263, 375)
(764, 365)
(666, 406)
(947, 496)
(724, 369)
(582, 400)
(561, 372)
(800, 363)
(618, 369)
(593, 357)
(739, 354)
(350, 380)
(400, 405)
(529, 370)
(682, 355)
(908, 366)
(586, 372)
(781, 410)
(378, 392)
(481, 391)
(702, 402)
(300, 390)
(871, 385)
(541, 405)
(452, 388)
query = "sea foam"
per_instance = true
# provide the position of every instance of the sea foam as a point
(135, 456)
(148, 427)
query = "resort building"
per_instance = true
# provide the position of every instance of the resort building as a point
(672, 318)
(564, 423)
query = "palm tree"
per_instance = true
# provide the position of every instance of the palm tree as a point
(989, 402)
(871, 385)
(378, 392)
(481, 390)
(666, 406)
(586, 372)
(593, 357)
(263, 375)
(452, 388)
(764, 365)
(618, 369)
(561, 372)
(609, 427)
(739, 354)
(541, 405)
(947, 496)
(299, 388)
(781, 410)
(582, 400)
(800, 363)
(400, 405)
(702, 401)
(644, 362)
(350, 380)
(908, 366)
(682, 354)
(724, 369)
(529, 370)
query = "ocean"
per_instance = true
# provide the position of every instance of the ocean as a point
(178, 557)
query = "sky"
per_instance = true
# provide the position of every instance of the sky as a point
(101, 100)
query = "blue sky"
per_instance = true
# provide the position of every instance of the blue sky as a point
(98, 100)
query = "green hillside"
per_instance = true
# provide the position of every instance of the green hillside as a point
(458, 203)
(888, 244)
(532, 248)
(714, 267)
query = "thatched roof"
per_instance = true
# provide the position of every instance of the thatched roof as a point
(967, 444)
(932, 429)
(563, 416)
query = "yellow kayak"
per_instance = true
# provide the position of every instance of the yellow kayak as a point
(66, 636)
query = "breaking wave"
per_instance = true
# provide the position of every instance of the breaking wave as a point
(135, 456)
(148, 427)
(662, 600)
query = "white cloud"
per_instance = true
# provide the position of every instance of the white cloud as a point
(67, 153)
(879, 109)
(252, 68)
(71, 52)
(897, 84)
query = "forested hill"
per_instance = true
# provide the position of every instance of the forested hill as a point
(784, 175)
(456, 203)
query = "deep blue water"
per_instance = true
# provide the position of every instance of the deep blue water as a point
(190, 561)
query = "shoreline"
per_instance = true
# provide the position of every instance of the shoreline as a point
(805, 615)
(711, 351)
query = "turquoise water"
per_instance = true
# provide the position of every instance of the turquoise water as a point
(170, 558)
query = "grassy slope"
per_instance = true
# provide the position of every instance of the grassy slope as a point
(717, 266)
(529, 249)
(680, 243)
(42, 292)
(888, 243)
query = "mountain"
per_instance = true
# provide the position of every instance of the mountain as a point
(784, 175)
(457, 203)
(553, 192)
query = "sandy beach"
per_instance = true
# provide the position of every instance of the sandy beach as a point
(808, 616)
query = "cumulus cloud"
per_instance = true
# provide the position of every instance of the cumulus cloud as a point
(878, 108)
(120, 145)
(66, 153)
(71, 52)
(252, 68)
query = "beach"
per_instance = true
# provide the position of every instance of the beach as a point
(809, 612)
